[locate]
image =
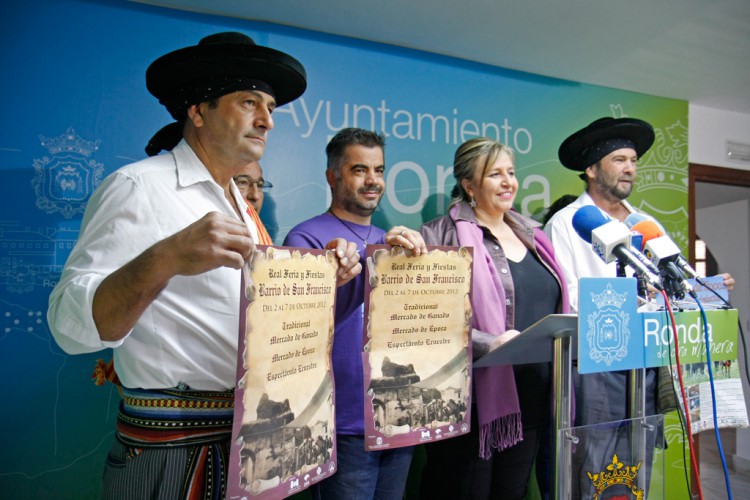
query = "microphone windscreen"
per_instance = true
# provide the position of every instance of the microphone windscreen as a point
(633, 219)
(649, 229)
(586, 219)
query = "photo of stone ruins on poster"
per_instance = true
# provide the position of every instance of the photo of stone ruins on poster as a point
(416, 346)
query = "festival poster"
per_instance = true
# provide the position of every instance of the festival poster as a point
(713, 389)
(719, 406)
(711, 292)
(416, 346)
(284, 427)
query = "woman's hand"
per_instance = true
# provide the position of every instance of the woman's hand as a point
(503, 338)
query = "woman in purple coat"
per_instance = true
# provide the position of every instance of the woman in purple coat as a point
(515, 282)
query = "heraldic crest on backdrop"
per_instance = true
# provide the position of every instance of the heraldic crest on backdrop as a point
(611, 337)
(65, 180)
(608, 332)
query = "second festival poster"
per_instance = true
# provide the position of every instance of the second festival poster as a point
(417, 346)
(284, 428)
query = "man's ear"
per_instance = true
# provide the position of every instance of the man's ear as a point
(195, 114)
(330, 177)
(590, 171)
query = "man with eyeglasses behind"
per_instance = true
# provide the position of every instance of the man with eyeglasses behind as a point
(252, 187)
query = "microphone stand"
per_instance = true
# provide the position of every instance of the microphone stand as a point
(642, 286)
(620, 269)
(636, 395)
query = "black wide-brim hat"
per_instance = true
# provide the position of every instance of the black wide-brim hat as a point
(223, 56)
(573, 152)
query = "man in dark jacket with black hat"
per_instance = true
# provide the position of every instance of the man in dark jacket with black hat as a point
(156, 270)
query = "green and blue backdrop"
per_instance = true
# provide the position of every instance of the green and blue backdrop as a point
(76, 108)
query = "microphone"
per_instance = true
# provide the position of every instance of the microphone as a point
(610, 240)
(636, 238)
(663, 252)
(662, 246)
(634, 218)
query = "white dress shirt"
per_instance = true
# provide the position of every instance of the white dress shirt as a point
(573, 253)
(189, 334)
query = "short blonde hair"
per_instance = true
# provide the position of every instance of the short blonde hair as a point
(467, 164)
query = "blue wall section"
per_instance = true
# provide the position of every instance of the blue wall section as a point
(76, 108)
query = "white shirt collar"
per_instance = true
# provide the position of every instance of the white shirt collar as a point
(191, 169)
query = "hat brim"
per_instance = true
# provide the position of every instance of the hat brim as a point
(186, 67)
(572, 151)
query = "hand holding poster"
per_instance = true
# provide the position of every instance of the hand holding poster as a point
(416, 353)
(282, 440)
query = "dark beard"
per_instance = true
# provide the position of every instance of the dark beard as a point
(612, 192)
(352, 205)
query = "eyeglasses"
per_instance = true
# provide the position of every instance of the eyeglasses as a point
(244, 182)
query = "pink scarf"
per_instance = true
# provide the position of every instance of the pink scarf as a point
(495, 387)
(498, 410)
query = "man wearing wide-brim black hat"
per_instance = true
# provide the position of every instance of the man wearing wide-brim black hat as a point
(156, 270)
(605, 153)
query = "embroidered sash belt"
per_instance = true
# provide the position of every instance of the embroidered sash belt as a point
(174, 417)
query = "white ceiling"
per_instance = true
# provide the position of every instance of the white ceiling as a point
(695, 50)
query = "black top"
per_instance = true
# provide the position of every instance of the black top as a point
(537, 294)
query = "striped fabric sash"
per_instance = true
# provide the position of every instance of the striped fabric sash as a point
(199, 420)
(263, 236)
(206, 473)
(173, 417)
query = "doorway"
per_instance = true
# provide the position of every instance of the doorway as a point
(719, 214)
